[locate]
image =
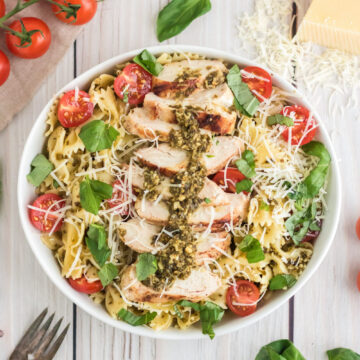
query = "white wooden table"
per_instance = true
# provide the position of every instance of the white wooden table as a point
(323, 315)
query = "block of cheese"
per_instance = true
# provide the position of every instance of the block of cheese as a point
(333, 23)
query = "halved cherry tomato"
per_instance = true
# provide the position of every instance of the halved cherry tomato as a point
(84, 286)
(244, 292)
(233, 175)
(302, 125)
(37, 217)
(4, 67)
(135, 82)
(84, 14)
(40, 40)
(118, 198)
(258, 80)
(2, 8)
(75, 108)
(358, 280)
(358, 228)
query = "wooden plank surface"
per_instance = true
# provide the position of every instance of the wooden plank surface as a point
(323, 310)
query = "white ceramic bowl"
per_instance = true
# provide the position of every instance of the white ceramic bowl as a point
(230, 323)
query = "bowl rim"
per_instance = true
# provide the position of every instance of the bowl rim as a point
(194, 332)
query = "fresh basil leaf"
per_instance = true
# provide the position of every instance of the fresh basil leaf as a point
(96, 135)
(264, 206)
(186, 303)
(41, 167)
(252, 248)
(342, 354)
(207, 200)
(55, 184)
(178, 312)
(92, 192)
(314, 226)
(148, 62)
(136, 320)
(96, 242)
(246, 165)
(97, 232)
(279, 119)
(177, 15)
(145, 266)
(279, 350)
(108, 273)
(244, 100)
(282, 281)
(244, 185)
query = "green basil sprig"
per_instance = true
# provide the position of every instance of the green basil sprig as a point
(252, 248)
(96, 242)
(342, 354)
(282, 281)
(136, 320)
(148, 62)
(145, 266)
(177, 15)
(279, 350)
(246, 165)
(279, 119)
(107, 273)
(92, 192)
(96, 135)
(244, 100)
(244, 185)
(210, 314)
(41, 167)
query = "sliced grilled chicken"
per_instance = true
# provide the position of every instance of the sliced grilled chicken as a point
(139, 237)
(187, 76)
(202, 217)
(140, 122)
(211, 190)
(200, 284)
(212, 107)
(170, 160)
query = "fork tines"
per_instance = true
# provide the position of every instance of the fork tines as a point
(35, 344)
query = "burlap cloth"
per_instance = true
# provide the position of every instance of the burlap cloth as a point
(28, 74)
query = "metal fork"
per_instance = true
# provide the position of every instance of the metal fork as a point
(35, 344)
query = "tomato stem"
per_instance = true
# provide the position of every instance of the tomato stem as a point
(18, 7)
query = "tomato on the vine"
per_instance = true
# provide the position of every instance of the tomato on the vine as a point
(2, 8)
(83, 15)
(4, 67)
(38, 42)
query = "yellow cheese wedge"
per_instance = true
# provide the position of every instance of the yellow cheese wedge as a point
(333, 23)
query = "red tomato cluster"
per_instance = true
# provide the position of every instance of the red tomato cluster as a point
(30, 37)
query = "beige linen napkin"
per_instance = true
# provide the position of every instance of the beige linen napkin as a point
(27, 74)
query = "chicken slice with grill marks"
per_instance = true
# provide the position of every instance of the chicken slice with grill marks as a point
(199, 285)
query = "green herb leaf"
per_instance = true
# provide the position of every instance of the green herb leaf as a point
(126, 97)
(279, 350)
(177, 15)
(314, 226)
(342, 354)
(148, 62)
(41, 167)
(207, 200)
(96, 242)
(282, 281)
(96, 135)
(244, 100)
(252, 248)
(136, 320)
(55, 184)
(210, 314)
(244, 185)
(107, 273)
(210, 155)
(92, 192)
(178, 312)
(280, 119)
(246, 165)
(264, 206)
(146, 266)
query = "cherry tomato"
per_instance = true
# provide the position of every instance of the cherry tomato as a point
(358, 228)
(135, 82)
(4, 67)
(233, 175)
(244, 292)
(75, 108)
(258, 80)
(312, 235)
(40, 41)
(84, 286)
(2, 8)
(302, 125)
(358, 280)
(119, 197)
(37, 217)
(84, 14)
